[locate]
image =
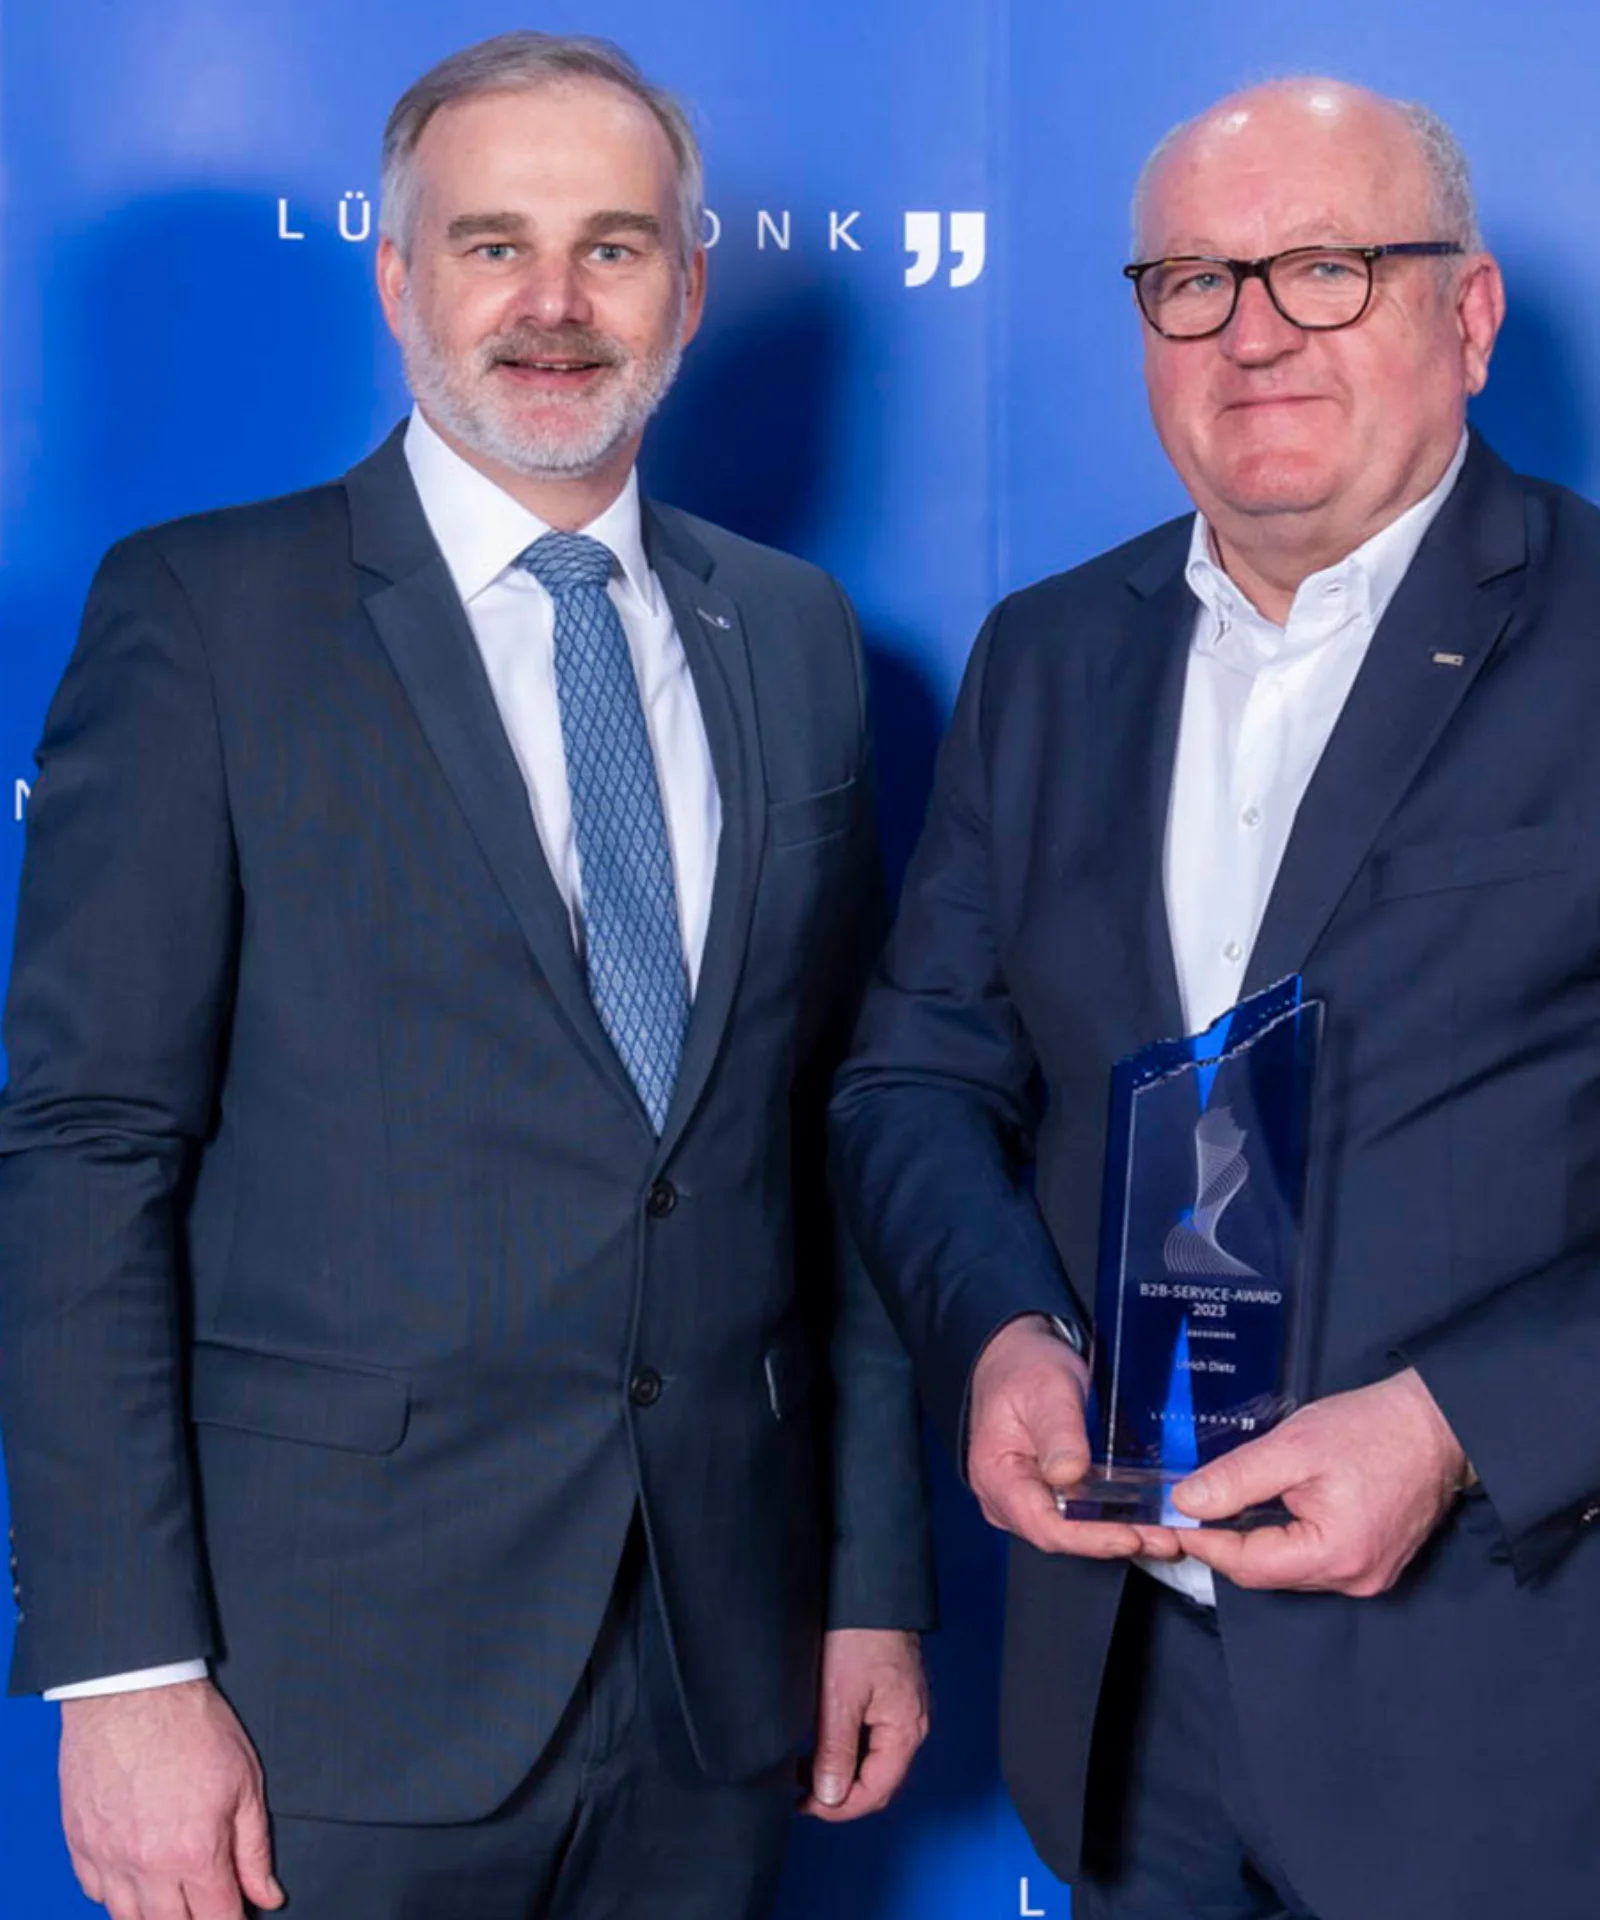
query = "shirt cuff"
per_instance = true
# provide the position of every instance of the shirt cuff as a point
(170, 1676)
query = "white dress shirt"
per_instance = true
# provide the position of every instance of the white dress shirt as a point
(480, 531)
(1259, 704)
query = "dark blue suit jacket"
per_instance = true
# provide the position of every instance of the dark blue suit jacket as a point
(1434, 1754)
(337, 1254)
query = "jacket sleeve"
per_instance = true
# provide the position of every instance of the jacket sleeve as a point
(1514, 1375)
(880, 1563)
(934, 1113)
(120, 994)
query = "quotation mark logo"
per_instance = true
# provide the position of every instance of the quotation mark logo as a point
(924, 242)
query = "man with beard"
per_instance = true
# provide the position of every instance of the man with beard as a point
(445, 897)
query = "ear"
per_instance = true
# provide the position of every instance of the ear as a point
(1480, 309)
(391, 283)
(694, 305)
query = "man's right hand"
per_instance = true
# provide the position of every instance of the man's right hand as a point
(163, 1805)
(1026, 1438)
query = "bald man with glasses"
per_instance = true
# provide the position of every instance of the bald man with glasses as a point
(1339, 722)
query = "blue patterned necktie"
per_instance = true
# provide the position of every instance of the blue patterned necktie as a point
(633, 944)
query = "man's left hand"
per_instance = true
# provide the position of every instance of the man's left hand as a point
(1367, 1476)
(872, 1685)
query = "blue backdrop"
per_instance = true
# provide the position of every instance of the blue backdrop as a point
(920, 368)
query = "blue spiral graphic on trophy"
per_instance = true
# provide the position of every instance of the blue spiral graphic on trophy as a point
(1192, 1248)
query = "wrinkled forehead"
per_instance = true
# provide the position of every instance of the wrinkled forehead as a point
(1264, 171)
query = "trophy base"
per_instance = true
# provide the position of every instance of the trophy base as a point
(1142, 1496)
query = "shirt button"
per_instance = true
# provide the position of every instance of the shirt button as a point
(661, 1199)
(1233, 951)
(644, 1389)
(1251, 817)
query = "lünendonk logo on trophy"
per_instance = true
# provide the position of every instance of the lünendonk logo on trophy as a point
(1200, 1307)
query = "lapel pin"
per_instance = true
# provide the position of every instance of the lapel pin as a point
(1449, 659)
(714, 619)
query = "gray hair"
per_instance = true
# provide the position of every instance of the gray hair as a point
(1455, 208)
(522, 62)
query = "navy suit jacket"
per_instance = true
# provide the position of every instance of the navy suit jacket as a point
(1433, 1754)
(349, 1305)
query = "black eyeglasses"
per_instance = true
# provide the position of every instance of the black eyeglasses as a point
(1193, 296)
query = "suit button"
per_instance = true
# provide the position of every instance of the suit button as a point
(644, 1389)
(1590, 1514)
(661, 1199)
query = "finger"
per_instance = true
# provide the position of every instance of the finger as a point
(881, 1772)
(89, 1875)
(1161, 1543)
(1259, 1471)
(121, 1897)
(856, 1805)
(899, 1720)
(1063, 1450)
(1025, 1506)
(850, 1808)
(1038, 1423)
(163, 1900)
(1016, 1471)
(1087, 1539)
(844, 1808)
(1097, 1539)
(252, 1854)
(214, 1896)
(838, 1744)
(1015, 1498)
(833, 1768)
(1055, 1425)
(1294, 1556)
(887, 1762)
(140, 1897)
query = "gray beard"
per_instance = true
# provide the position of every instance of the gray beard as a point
(632, 394)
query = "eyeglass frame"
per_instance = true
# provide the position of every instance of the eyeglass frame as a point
(1261, 268)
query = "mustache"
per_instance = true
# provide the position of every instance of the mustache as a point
(565, 343)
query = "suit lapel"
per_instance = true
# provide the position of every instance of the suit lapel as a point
(420, 620)
(1140, 703)
(1449, 614)
(711, 627)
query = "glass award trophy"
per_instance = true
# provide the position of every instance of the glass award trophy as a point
(1200, 1310)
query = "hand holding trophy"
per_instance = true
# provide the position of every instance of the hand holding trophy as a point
(1201, 1311)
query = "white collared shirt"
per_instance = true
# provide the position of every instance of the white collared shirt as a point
(480, 531)
(1260, 702)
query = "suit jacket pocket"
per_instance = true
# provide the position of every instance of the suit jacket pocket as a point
(1440, 865)
(789, 1366)
(287, 1398)
(818, 816)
